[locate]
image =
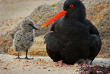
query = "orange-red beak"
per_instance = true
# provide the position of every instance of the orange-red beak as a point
(60, 14)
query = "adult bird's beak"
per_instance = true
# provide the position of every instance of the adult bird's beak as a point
(60, 14)
(33, 27)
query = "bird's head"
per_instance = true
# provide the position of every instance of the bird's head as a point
(28, 24)
(73, 9)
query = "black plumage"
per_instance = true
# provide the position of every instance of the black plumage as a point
(73, 37)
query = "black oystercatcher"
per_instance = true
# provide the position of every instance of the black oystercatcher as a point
(72, 37)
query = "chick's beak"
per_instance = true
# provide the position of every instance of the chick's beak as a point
(60, 14)
(33, 27)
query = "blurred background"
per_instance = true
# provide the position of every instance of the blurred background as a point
(12, 12)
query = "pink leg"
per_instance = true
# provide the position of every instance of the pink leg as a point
(84, 65)
(61, 64)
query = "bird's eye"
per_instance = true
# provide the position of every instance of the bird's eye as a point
(71, 5)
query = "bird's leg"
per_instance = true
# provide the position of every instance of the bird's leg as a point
(61, 64)
(89, 62)
(18, 56)
(26, 55)
(84, 65)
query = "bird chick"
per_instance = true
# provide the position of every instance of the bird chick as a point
(24, 38)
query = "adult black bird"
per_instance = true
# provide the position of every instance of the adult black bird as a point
(72, 37)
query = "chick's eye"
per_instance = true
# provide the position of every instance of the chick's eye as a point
(71, 5)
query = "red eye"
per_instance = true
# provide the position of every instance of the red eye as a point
(71, 6)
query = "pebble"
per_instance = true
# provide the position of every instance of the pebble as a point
(44, 67)
(48, 70)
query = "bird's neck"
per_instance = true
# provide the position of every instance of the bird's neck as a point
(75, 17)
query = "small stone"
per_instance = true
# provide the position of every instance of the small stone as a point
(48, 70)
(5, 68)
(99, 72)
(38, 67)
(101, 62)
(36, 62)
(27, 65)
(44, 67)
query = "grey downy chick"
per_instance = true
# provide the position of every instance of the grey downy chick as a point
(24, 38)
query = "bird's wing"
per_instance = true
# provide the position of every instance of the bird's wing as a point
(51, 41)
(17, 41)
(95, 41)
(17, 37)
(53, 46)
(93, 29)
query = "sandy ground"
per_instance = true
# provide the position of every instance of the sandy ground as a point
(39, 65)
